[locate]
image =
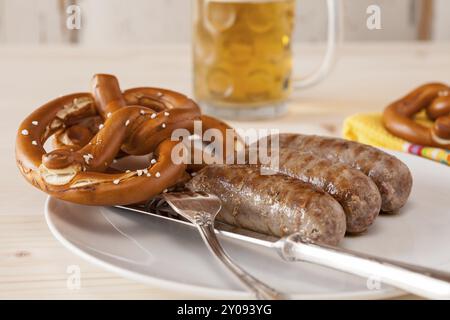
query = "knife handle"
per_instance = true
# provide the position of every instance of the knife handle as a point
(422, 281)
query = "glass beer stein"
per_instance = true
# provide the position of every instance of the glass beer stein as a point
(242, 51)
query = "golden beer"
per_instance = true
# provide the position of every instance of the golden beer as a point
(242, 52)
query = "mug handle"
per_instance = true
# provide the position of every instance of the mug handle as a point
(333, 38)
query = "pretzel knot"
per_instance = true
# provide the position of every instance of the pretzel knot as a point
(93, 129)
(434, 98)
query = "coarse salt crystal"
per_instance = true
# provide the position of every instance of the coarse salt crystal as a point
(100, 127)
(109, 114)
(34, 143)
(158, 174)
(88, 157)
(153, 161)
(127, 123)
(34, 123)
(153, 116)
(116, 181)
(166, 114)
(25, 132)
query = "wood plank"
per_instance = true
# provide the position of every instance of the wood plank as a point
(425, 20)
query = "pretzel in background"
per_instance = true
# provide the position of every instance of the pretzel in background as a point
(434, 98)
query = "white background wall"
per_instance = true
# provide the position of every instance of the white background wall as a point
(168, 21)
(442, 20)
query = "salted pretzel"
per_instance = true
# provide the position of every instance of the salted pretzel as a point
(92, 130)
(434, 98)
(77, 171)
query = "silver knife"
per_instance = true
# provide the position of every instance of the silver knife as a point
(422, 281)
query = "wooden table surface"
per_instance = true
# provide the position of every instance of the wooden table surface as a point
(34, 265)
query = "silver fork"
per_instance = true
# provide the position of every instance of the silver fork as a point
(200, 209)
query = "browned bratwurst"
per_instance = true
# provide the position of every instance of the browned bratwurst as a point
(357, 193)
(392, 177)
(271, 204)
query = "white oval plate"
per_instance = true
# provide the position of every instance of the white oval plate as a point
(172, 256)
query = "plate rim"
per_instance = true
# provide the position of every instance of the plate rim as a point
(198, 290)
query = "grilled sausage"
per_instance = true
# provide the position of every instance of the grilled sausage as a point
(392, 177)
(357, 193)
(272, 204)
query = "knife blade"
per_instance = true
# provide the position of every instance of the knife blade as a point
(221, 228)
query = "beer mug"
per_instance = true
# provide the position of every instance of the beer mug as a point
(242, 52)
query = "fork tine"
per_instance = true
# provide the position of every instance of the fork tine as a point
(189, 203)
